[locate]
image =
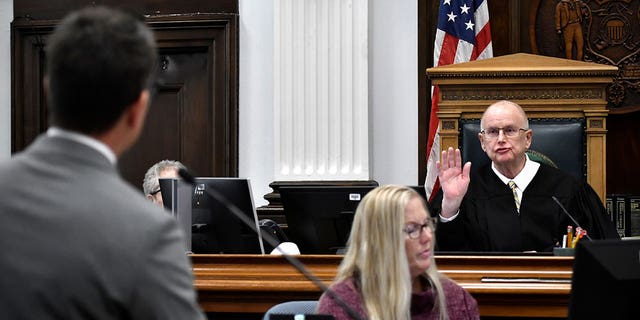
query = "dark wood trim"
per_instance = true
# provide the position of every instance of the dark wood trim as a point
(28, 112)
(54, 10)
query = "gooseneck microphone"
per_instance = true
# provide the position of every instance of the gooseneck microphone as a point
(188, 177)
(570, 216)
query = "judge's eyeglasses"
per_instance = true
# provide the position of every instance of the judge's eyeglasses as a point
(509, 132)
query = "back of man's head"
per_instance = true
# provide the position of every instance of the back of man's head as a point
(99, 60)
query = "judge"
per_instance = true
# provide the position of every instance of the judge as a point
(507, 205)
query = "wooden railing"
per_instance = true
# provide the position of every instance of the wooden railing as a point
(532, 286)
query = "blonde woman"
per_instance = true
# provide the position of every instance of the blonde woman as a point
(389, 271)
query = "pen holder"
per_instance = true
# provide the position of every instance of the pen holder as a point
(563, 251)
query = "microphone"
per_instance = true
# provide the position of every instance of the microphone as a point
(188, 177)
(570, 216)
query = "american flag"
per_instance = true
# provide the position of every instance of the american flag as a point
(463, 35)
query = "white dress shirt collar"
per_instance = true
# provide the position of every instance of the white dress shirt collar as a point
(523, 178)
(85, 140)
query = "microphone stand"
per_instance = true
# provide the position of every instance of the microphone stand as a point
(186, 176)
(570, 216)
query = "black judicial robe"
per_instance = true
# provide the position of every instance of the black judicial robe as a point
(489, 221)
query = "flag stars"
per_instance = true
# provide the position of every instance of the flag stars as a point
(447, 2)
(452, 17)
(469, 25)
(465, 9)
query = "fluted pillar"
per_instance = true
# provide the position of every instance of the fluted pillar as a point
(320, 90)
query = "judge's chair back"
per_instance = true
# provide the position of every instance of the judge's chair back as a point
(556, 142)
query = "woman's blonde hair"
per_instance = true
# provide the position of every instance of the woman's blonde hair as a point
(376, 257)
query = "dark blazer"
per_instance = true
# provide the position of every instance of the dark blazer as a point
(80, 243)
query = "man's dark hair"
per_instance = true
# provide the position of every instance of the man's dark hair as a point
(99, 60)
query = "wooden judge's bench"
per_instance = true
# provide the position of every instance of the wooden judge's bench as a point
(504, 286)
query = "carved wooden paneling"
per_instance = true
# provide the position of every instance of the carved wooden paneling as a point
(194, 116)
(608, 32)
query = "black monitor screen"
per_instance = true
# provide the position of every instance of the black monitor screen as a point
(319, 219)
(606, 280)
(215, 229)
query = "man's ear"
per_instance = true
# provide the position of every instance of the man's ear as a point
(480, 137)
(528, 136)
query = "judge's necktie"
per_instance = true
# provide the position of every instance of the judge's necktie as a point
(513, 187)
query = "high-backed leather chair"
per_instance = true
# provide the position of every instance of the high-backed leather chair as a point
(562, 141)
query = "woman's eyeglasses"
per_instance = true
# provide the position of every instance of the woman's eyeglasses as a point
(414, 230)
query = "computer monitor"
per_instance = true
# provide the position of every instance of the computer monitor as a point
(319, 219)
(214, 228)
(606, 280)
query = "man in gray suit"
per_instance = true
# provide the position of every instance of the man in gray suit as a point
(77, 241)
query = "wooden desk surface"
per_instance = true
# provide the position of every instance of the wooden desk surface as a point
(512, 286)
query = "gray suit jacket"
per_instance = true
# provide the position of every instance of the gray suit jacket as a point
(80, 243)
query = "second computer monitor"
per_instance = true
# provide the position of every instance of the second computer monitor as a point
(319, 218)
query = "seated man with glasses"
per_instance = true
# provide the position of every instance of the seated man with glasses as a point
(151, 184)
(507, 205)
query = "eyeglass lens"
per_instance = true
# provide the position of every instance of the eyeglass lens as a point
(507, 131)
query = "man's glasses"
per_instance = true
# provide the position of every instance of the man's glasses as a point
(509, 132)
(155, 192)
(414, 230)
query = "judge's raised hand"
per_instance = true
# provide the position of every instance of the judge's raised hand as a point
(454, 180)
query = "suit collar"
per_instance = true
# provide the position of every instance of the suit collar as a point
(67, 152)
(85, 140)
